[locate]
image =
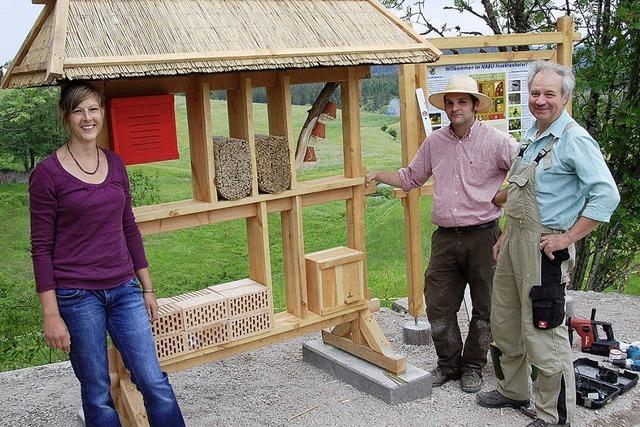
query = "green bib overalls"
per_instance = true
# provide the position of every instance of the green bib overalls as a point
(535, 333)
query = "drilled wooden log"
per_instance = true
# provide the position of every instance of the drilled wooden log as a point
(272, 161)
(233, 167)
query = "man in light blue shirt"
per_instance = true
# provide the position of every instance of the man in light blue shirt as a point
(560, 189)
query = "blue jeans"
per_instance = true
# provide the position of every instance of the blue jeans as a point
(121, 311)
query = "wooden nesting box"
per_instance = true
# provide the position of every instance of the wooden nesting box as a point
(250, 311)
(143, 128)
(335, 278)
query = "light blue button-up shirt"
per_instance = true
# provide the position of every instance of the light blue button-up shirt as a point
(577, 178)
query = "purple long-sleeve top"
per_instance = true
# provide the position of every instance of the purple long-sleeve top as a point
(82, 235)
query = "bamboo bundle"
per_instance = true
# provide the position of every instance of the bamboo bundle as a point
(233, 167)
(272, 160)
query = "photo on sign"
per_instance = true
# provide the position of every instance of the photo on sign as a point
(515, 111)
(436, 119)
(514, 124)
(514, 99)
(515, 85)
(516, 134)
(493, 85)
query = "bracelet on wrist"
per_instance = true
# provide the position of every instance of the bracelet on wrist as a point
(149, 291)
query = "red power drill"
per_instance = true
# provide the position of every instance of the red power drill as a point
(590, 339)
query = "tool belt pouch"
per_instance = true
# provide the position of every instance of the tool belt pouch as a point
(547, 299)
(547, 303)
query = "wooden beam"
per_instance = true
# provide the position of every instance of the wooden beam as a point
(26, 44)
(151, 86)
(55, 59)
(104, 137)
(295, 277)
(200, 141)
(343, 330)
(280, 122)
(353, 166)
(30, 68)
(258, 241)
(133, 403)
(391, 362)
(286, 326)
(171, 58)
(526, 39)
(411, 204)
(373, 334)
(565, 48)
(327, 74)
(480, 58)
(240, 108)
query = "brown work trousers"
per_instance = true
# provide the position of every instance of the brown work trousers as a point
(458, 258)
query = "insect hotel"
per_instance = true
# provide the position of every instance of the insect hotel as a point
(138, 54)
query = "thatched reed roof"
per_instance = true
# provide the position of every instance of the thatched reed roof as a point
(110, 39)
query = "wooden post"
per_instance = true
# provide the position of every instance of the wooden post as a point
(279, 111)
(240, 107)
(353, 166)
(104, 139)
(565, 49)
(295, 276)
(200, 141)
(409, 131)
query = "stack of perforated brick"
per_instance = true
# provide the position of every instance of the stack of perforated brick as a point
(211, 317)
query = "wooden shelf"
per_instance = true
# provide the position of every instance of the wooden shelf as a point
(191, 213)
(286, 326)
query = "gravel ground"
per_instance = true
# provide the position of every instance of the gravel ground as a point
(273, 386)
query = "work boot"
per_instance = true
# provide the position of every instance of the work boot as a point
(494, 399)
(440, 376)
(539, 422)
(471, 381)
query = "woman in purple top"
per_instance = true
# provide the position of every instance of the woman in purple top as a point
(89, 264)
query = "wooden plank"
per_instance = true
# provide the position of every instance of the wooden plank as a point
(526, 39)
(286, 326)
(356, 333)
(132, 400)
(411, 204)
(391, 362)
(30, 68)
(26, 44)
(565, 48)
(184, 207)
(342, 330)
(327, 74)
(240, 108)
(200, 142)
(104, 137)
(425, 190)
(373, 334)
(171, 58)
(480, 58)
(294, 264)
(55, 59)
(258, 241)
(280, 122)
(149, 86)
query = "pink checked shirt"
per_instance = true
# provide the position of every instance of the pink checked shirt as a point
(467, 173)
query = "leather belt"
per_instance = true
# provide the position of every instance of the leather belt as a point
(468, 228)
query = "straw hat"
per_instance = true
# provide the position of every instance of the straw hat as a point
(459, 83)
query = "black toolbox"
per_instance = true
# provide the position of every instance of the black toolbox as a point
(597, 385)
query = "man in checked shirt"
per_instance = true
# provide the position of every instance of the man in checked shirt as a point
(468, 160)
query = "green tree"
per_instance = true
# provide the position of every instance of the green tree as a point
(607, 102)
(29, 124)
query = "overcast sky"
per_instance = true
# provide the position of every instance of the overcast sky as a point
(18, 16)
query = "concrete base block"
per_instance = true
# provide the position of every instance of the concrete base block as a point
(366, 377)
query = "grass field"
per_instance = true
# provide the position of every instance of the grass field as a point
(194, 258)
(191, 259)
